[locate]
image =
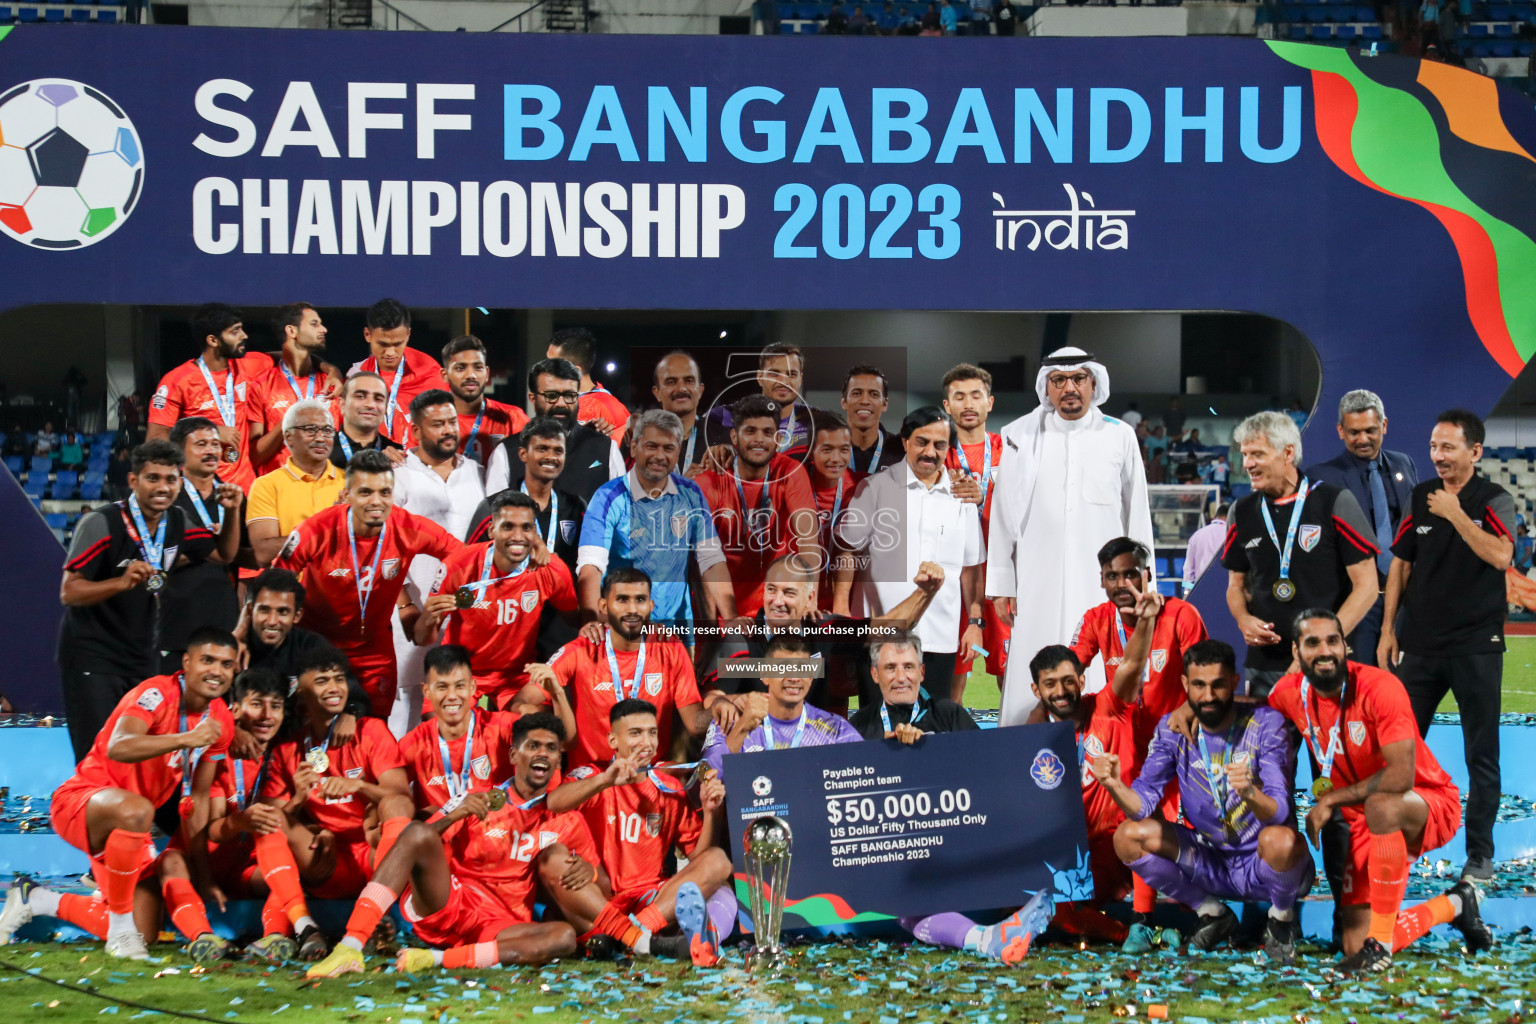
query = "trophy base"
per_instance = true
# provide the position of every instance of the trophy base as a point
(771, 959)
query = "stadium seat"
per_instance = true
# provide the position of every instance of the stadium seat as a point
(14, 463)
(42, 464)
(1371, 31)
(1504, 49)
(6, 16)
(79, 14)
(1504, 30)
(64, 484)
(786, 11)
(786, 28)
(57, 520)
(1477, 30)
(1344, 32)
(1365, 14)
(54, 14)
(91, 485)
(33, 487)
(26, 14)
(1524, 48)
(1298, 32)
(810, 28)
(108, 16)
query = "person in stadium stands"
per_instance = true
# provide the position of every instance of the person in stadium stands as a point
(915, 499)
(779, 718)
(906, 713)
(271, 638)
(620, 662)
(245, 845)
(219, 383)
(307, 481)
(300, 374)
(118, 562)
(638, 813)
(354, 558)
(346, 803)
(832, 483)
(168, 733)
(483, 422)
(655, 521)
(1382, 482)
(597, 405)
(1447, 577)
(202, 594)
(364, 397)
(678, 387)
(436, 482)
(466, 879)
(781, 377)
(592, 458)
(1236, 839)
(1274, 568)
(977, 453)
(1123, 565)
(488, 597)
(1106, 724)
(762, 504)
(406, 371)
(866, 398)
(1204, 545)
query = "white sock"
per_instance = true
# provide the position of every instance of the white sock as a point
(304, 922)
(44, 901)
(1282, 915)
(352, 943)
(437, 956)
(643, 943)
(119, 924)
(1210, 907)
(1455, 903)
(973, 938)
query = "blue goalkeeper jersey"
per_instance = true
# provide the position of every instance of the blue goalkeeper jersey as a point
(655, 535)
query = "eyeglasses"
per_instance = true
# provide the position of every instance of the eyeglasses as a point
(312, 430)
(1077, 380)
(559, 397)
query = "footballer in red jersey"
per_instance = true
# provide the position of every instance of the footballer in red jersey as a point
(169, 733)
(489, 598)
(354, 557)
(218, 385)
(577, 346)
(346, 802)
(763, 506)
(977, 454)
(483, 423)
(832, 483)
(299, 373)
(406, 371)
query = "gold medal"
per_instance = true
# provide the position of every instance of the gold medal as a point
(497, 798)
(1322, 787)
(318, 759)
(464, 597)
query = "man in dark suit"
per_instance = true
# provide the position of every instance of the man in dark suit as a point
(1382, 482)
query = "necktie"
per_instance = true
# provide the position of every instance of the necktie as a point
(1381, 516)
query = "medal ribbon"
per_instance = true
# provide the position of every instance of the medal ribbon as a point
(1335, 740)
(189, 758)
(1290, 531)
(226, 401)
(789, 431)
(202, 510)
(554, 514)
(294, 384)
(394, 391)
(1217, 774)
(764, 504)
(242, 795)
(693, 435)
(153, 550)
(485, 580)
(324, 746)
(1146, 670)
(526, 804)
(671, 783)
(922, 709)
(364, 593)
(474, 429)
(619, 689)
(794, 741)
(458, 784)
(874, 459)
(986, 468)
(346, 444)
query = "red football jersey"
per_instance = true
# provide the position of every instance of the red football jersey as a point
(422, 373)
(332, 607)
(600, 403)
(367, 756)
(582, 667)
(747, 559)
(1111, 729)
(498, 853)
(502, 629)
(270, 396)
(636, 826)
(489, 763)
(184, 392)
(497, 423)
(826, 499)
(1376, 712)
(157, 701)
(975, 454)
(1179, 627)
(236, 782)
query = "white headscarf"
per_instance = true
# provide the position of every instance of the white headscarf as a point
(1066, 360)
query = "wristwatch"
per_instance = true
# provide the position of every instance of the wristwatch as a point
(977, 622)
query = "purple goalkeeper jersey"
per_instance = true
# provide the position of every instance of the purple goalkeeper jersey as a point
(1259, 734)
(821, 729)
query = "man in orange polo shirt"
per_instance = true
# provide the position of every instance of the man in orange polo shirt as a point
(303, 485)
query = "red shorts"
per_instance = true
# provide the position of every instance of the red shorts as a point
(67, 814)
(376, 672)
(1111, 876)
(1440, 828)
(353, 870)
(471, 915)
(994, 639)
(233, 865)
(635, 900)
(514, 895)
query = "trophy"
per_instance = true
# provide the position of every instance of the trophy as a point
(767, 849)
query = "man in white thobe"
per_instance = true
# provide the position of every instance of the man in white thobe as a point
(1070, 479)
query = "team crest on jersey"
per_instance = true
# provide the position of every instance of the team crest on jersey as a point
(289, 546)
(568, 530)
(1242, 757)
(149, 700)
(391, 567)
(653, 683)
(530, 600)
(1093, 746)
(584, 772)
(482, 767)
(653, 824)
(354, 773)
(162, 393)
(548, 839)
(1309, 535)
(1047, 770)
(1159, 660)
(680, 526)
(1357, 733)
(240, 391)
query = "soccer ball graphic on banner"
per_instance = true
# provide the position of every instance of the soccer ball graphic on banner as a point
(71, 166)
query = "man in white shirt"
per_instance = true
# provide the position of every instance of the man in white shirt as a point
(1070, 479)
(437, 482)
(907, 514)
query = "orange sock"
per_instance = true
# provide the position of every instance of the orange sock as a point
(1081, 919)
(1143, 896)
(388, 833)
(122, 860)
(186, 907)
(373, 904)
(281, 874)
(1417, 921)
(84, 912)
(273, 920)
(1388, 869)
(481, 954)
(611, 922)
(651, 918)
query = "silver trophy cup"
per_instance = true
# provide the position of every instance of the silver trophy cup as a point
(767, 850)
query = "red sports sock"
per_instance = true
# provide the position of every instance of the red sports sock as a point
(388, 833)
(281, 874)
(651, 918)
(273, 920)
(186, 907)
(1416, 921)
(1143, 896)
(123, 858)
(84, 912)
(481, 954)
(1081, 919)
(1388, 867)
(610, 921)
(373, 904)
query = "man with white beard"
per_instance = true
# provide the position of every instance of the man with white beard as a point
(1070, 479)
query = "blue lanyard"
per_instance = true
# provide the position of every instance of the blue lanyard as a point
(394, 391)
(346, 444)
(764, 504)
(189, 758)
(364, 593)
(152, 550)
(226, 401)
(202, 510)
(620, 691)
(242, 795)
(324, 745)
(1214, 773)
(526, 804)
(986, 468)
(485, 580)
(293, 382)
(922, 709)
(673, 784)
(789, 432)
(693, 435)
(474, 430)
(554, 514)
(1146, 670)
(874, 460)
(794, 741)
(1335, 740)
(458, 784)
(1290, 531)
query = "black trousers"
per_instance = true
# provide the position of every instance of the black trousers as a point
(1476, 681)
(89, 699)
(1363, 641)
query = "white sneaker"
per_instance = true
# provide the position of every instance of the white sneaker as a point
(16, 913)
(128, 946)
